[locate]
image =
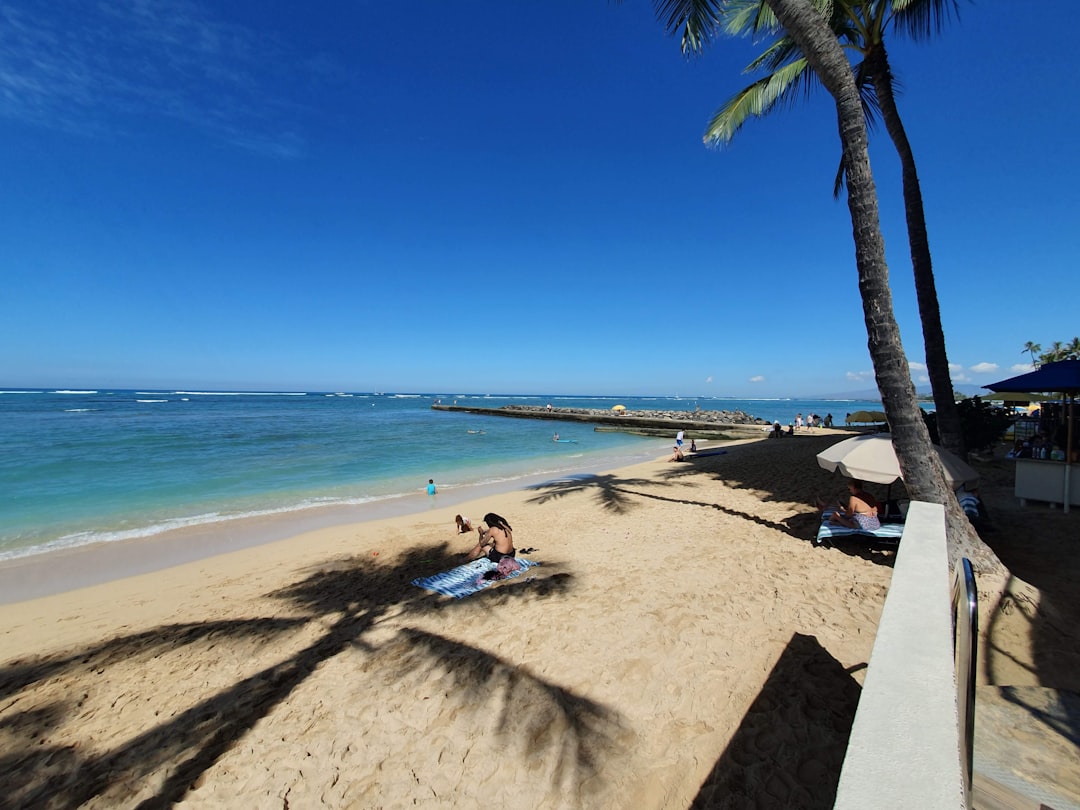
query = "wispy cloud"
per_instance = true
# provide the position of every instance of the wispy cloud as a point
(1021, 368)
(984, 368)
(859, 376)
(110, 68)
(757, 378)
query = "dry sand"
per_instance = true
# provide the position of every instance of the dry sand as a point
(682, 644)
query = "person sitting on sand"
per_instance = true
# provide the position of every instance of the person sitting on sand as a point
(861, 512)
(496, 542)
(677, 454)
(464, 525)
(693, 446)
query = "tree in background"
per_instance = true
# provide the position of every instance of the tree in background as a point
(1057, 351)
(919, 465)
(1061, 351)
(1031, 349)
(860, 27)
(984, 424)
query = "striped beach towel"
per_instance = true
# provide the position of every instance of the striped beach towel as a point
(888, 532)
(468, 578)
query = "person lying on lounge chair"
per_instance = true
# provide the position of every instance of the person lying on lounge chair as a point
(861, 511)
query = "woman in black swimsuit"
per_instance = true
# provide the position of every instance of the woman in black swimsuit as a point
(496, 542)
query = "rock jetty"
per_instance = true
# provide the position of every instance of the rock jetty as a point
(629, 420)
(709, 417)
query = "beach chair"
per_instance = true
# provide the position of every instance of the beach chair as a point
(888, 533)
(969, 502)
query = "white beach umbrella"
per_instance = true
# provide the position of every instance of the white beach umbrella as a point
(871, 457)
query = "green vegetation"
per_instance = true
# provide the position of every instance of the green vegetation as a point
(983, 424)
(1057, 351)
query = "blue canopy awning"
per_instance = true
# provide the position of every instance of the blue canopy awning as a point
(1062, 376)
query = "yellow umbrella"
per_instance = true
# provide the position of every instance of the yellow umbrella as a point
(619, 408)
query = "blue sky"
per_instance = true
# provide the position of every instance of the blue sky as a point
(500, 197)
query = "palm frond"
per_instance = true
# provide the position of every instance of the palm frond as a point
(697, 22)
(756, 100)
(921, 19)
(781, 52)
(755, 17)
(867, 96)
(749, 17)
(838, 182)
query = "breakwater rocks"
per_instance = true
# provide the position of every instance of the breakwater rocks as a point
(626, 420)
(708, 417)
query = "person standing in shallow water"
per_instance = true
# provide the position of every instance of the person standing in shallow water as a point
(431, 486)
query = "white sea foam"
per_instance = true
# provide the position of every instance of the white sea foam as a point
(78, 539)
(79, 410)
(74, 392)
(21, 392)
(242, 393)
(151, 400)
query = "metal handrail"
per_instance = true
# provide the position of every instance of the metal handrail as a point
(965, 647)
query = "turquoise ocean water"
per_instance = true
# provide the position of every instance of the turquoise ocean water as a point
(82, 467)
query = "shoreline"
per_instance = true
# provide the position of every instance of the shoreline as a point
(55, 571)
(680, 643)
(673, 607)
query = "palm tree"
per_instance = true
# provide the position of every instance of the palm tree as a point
(860, 25)
(1032, 349)
(919, 464)
(1054, 353)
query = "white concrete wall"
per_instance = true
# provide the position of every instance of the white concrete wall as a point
(904, 750)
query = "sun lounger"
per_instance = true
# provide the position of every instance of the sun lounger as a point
(888, 533)
(969, 502)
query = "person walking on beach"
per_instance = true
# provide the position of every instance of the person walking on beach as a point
(678, 439)
(431, 486)
(798, 421)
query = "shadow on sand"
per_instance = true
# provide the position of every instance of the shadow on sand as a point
(338, 604)
(772, 763)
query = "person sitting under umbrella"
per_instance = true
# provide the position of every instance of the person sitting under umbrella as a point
(861, 511)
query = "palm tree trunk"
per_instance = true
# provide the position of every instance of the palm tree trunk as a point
(937, 361)
(919, 464)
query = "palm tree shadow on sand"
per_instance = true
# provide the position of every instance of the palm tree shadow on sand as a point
(789, 748)
(620, 496)
(344, 601)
